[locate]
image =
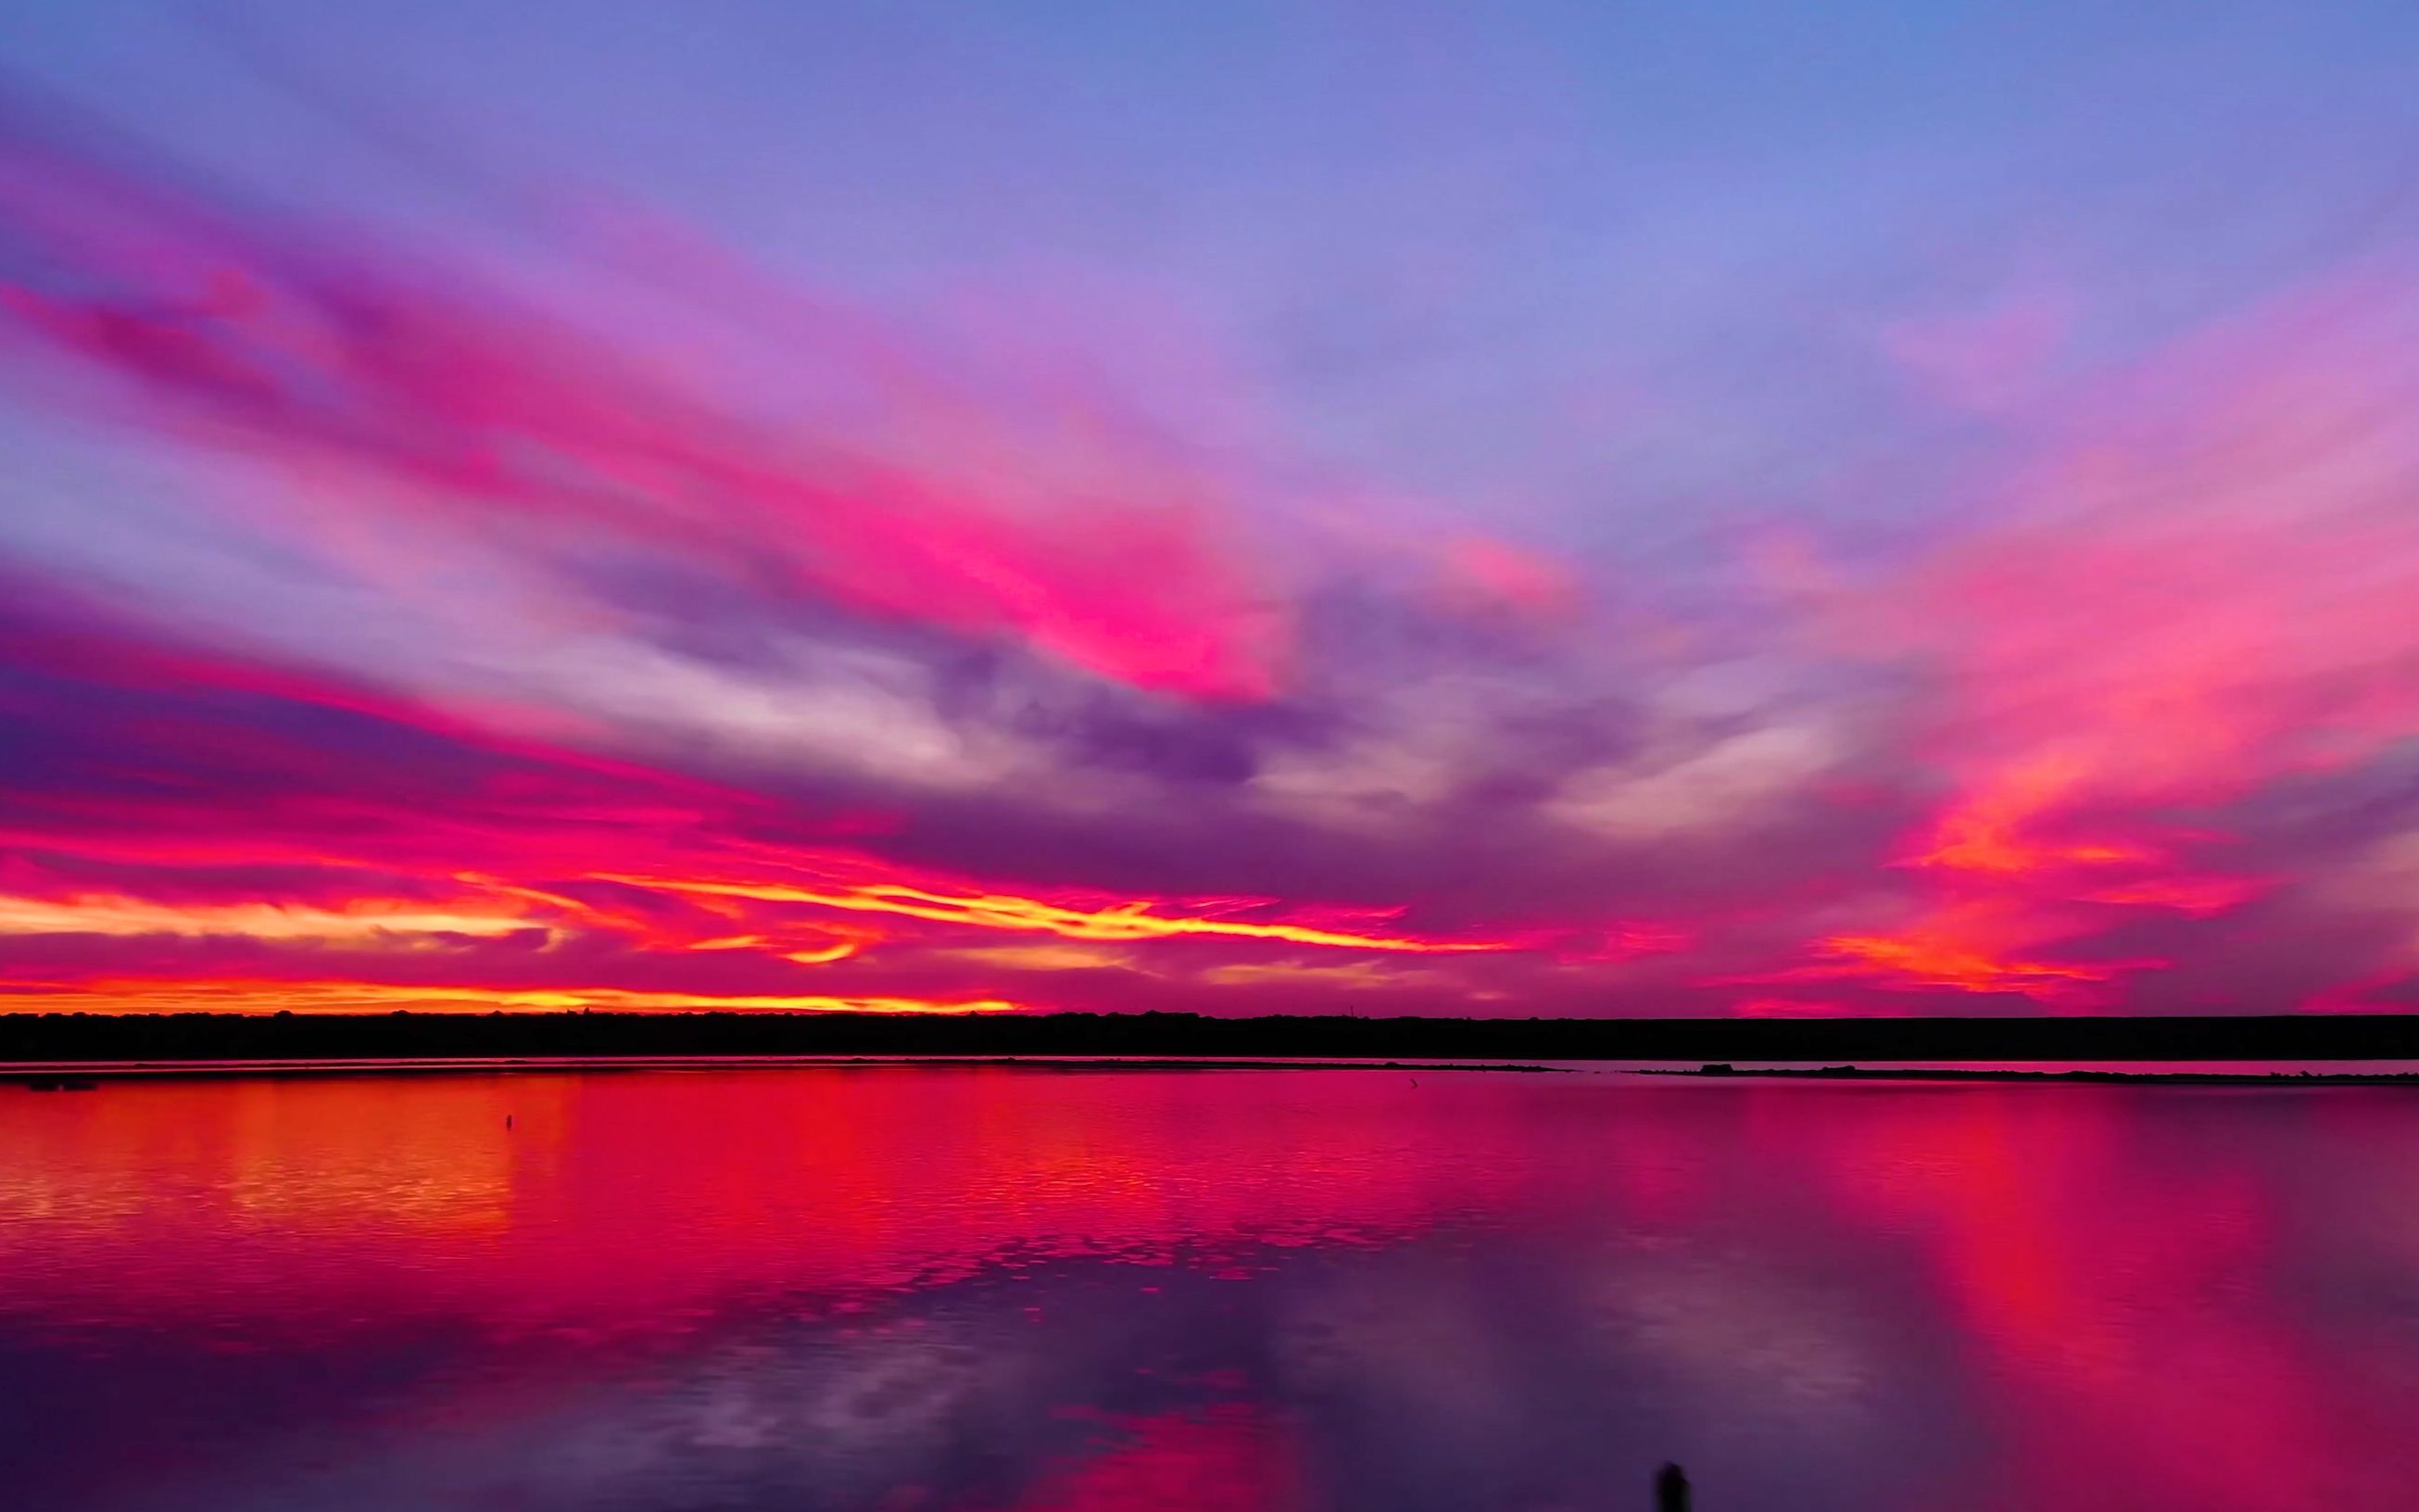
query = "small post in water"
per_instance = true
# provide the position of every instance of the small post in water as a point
(1671, 1489)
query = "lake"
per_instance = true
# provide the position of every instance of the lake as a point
(924, 1290)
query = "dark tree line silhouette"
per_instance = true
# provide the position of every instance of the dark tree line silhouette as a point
(100, 1037)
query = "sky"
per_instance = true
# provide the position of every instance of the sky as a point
(1555, 508)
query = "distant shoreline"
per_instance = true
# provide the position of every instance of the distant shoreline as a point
(84, 1077)
(104, 1039)
(1719, 1071)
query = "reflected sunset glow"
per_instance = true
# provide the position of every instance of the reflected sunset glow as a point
(1020, 1288)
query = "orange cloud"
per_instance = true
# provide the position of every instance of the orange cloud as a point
(164, 995)
(1135, 920)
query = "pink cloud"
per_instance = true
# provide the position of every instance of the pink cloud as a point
(438, 401)
(2202, 586)
(1986, 361)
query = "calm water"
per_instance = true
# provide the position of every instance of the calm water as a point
(1002, 1289)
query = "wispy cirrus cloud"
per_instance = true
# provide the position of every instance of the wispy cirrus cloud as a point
(2197, 589)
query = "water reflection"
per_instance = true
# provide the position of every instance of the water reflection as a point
(1009, 1289)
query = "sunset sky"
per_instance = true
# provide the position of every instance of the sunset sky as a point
(1544, 508)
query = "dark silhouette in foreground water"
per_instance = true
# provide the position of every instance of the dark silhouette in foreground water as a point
(1671, 1489)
